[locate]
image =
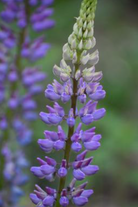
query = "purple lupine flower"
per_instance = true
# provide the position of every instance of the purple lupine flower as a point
(43, 198)
(32, 76)
(89, 113)
(57, 91)
(15, 163)
(2, 93)
(88, 138)
(53, 140)
(83, 168)
(35, 50)
(23, 133)
(7, 37)
(46, 170)
(62, 172)
(40, 19)
(3, 123)
(55, 115)
(79, 81)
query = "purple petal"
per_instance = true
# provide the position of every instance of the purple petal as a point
(87, 119)
(62, 172)
(37, 172)
(46, 144)
(98, 95)
(98, 114)
(87, 193)
(51, 95)
(96, 137)
(90, 169)
(78, 174)
(50, 161)
(48, 201)
(80, 201)
(93, 145)
(44, 117)
(34, 198)
(76, 146)
(47, 169)
(64, 201)
(71, 121)
(81, 156)
(54, 119)
(58, 145)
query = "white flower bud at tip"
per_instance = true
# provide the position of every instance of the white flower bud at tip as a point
(64, 77)
(73, 44)
(75, 28)
(80, 46)
(85, 59)
(77, 74)
(74, 60)
(90, 34)
(80, 32)
(94, 58)
(57, 70)
(84, 25)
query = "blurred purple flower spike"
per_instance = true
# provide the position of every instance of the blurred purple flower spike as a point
(18, 86)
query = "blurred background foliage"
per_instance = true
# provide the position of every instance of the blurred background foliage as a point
(116, 31)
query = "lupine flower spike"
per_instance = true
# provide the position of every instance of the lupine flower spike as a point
(79, 83)
(18, 87)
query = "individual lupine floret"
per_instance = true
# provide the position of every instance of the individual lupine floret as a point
(2, 92)
(7, 37)
(34, 50)
(88, 138)
(89, 113)
(83, 167)
(28, 108)
(12, 75)
(23, 133)
(95, 91)
(92, 89)
(3, 123)
(55, 115)
(64, 71)
(53, 140)
(40, 19)
(62, 172)
(32, 76)
(43, 198)
(57, 91)
(46, 170)
(13, 101)
(9, 14)
(78, 195)
(71, 118)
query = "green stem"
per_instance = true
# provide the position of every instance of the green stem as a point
(70, 133)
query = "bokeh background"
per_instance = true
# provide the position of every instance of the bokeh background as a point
(116, 31)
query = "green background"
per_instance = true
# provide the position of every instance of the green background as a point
(116, 32)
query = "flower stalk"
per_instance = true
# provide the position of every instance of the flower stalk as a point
(78, 83)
